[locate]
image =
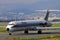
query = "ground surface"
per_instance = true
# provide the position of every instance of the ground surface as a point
(32, 34)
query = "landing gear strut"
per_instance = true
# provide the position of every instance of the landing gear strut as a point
(10, 34)
(26, 31)
(39, 31)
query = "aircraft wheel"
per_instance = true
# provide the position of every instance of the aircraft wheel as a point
(10, 34)
(26, 31)
(39, 32)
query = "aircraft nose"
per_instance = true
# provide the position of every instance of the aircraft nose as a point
(9, 27)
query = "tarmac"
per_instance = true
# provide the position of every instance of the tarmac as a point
(31, 34)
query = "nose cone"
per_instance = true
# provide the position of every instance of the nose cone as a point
(9, 27)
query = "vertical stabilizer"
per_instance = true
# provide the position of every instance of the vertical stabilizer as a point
(47, 15)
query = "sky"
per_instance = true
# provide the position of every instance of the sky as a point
(11, 5)
(20, 1)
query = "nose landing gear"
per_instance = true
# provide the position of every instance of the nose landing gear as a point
(10, 33)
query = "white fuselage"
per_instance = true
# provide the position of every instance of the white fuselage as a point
(27, 25)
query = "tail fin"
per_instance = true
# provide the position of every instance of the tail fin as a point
(47, 14)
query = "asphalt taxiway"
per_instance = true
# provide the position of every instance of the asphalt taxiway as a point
(31, 34)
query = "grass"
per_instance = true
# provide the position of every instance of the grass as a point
(55, 24)
(3, 24)
(52, 37)
(2, 30)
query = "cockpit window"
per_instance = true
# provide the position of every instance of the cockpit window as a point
(11, 24)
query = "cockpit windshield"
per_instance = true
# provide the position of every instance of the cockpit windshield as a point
(11, 23)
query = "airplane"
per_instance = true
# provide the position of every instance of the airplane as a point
(27, 25)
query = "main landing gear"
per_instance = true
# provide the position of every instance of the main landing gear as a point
(39, 31)
(26, 31)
